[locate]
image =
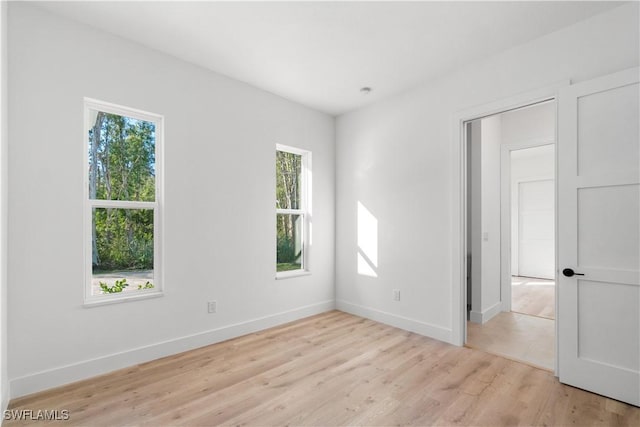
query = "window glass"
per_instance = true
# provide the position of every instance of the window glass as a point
(122, 250)
(288, 180)
(121, 158)
(289, 250)
(292, 215)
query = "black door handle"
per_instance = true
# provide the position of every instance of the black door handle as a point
(570, 273)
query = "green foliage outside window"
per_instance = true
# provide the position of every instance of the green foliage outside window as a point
(122, 167)
(117, 287)
(289, 225)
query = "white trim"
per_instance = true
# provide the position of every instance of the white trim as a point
(81, 370)
(290, 149)
(290, 211)
(427, 329)
(108, 107)
(122, 204)
(156, 205)
(290, 274)
(505, 213)
(485, 315)
(458, 192)
(124, 297)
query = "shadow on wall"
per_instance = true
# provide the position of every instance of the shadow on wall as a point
(367, 242)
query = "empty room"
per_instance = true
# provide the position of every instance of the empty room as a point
(320, 213)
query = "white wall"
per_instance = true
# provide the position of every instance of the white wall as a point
(530, 124)
(4, 377)
(219, 229)
(486, 290)
(491, 140)
(395, 157)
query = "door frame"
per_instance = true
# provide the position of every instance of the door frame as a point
(458, 190)
(505, 211)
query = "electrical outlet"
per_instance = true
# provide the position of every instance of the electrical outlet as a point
(396, 294)
(212, 306)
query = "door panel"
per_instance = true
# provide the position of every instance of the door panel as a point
(595, 342)
(608, 227)
(608, 131)
(599, 236)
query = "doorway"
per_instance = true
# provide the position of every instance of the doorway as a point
(532, 184)
(511, 233)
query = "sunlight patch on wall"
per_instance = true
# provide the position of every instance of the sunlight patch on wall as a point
(367, 242)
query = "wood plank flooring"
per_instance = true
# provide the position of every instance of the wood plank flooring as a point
(516, 336)
(535, 297)
(329, 370)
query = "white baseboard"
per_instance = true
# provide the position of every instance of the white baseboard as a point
(90, 368)
(417, 326)
(484, 316)
(475, 317)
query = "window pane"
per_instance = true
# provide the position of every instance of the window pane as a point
(121, 158)
(122, 250)
(289, 250)
(288, 172)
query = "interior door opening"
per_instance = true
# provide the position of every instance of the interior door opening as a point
(533, 230)
(510, 209)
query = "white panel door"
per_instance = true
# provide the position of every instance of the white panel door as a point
(536, 231)
(599, 236)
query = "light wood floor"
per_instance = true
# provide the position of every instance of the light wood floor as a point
(533, 296)
(330, 369)
(517, 336)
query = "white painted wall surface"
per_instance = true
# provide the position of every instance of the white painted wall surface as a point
(529, 124)
(533, 162)
(395, 157)
(485, 219)
(4, 377)
(491, 138)
(219, 213)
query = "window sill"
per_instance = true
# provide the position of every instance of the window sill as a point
(291, 274)
(120, 299)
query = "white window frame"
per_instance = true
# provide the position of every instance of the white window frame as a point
(158, 120)
(304, 211)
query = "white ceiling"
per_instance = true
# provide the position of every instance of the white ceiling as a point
(321, 53)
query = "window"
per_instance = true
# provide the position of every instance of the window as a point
(292, 210)
(122, 203)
